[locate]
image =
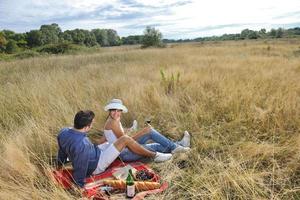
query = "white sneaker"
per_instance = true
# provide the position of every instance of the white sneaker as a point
(134, 126)
(161, 157)
(186, 140)
(180, 149)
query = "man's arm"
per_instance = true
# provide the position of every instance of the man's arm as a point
(61, 158)
(80, 165)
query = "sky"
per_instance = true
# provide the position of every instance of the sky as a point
(175, 19)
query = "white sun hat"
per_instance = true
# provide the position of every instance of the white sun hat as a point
(116, 104)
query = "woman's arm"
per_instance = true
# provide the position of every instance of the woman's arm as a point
(115, 126)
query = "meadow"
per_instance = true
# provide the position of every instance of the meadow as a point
(240, 101)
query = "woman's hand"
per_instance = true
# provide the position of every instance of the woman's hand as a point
(147, 129)
(115, 116)
(142, 132)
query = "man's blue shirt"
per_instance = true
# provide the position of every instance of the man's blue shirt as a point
(82, 153)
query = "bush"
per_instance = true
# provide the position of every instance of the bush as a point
(11, 47)
(3, 42)
(152, 37)
(169, 83)
(26, 54)
(58, 48)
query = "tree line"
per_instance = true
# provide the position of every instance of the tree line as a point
(52, 34)
(51, 39)
(246, 34)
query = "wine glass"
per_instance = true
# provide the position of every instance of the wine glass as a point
(148, 121)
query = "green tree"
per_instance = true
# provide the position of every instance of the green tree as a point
(8, 34)
(272, 33)
(152, 37)
(11, 47)
(249, 34)
(89, 39)
(244, 34)
(132, 39)
(20, 38)
(106, 37)
(279, 33)
(50, 34)
(101, 37)
(3, 42)
(78, 36)
(113, 38)
(67, 36)
(262, 33)
(294, 31)
(34, 38)
(252, 35)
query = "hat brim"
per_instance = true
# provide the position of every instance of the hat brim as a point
(116, 106)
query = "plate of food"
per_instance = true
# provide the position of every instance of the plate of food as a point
(144, 175)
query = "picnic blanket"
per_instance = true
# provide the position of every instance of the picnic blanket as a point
(94, 183)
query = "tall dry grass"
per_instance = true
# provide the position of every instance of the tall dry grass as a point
(239, 100)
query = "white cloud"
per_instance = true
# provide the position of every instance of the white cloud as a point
(175, 18)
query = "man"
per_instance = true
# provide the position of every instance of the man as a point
(88, 158)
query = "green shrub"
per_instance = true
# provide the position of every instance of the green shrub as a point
(11, 47)
(152, 37)
(58, 48)
(26, 54)
(169, 83)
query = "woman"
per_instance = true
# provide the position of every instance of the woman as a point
(113, 129)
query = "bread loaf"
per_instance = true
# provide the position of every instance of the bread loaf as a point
(139, 185)
(146, 185)
(116, 184)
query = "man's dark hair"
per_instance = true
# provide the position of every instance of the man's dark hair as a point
(83, 118)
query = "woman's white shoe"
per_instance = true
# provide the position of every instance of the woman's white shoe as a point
(180, 149)
(161, 157)
(134, 126)
(186, 140)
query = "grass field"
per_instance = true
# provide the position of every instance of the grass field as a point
(239, 100)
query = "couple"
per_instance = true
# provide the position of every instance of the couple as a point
(88, 158)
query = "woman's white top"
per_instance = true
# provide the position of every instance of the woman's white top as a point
(110, 135)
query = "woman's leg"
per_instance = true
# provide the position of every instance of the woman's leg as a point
(166, 145)
(128, 156)
(126, 141)
(132, 145)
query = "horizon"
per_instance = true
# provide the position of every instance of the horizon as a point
(175, 19)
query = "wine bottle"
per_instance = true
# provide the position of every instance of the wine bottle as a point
(130, 188)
